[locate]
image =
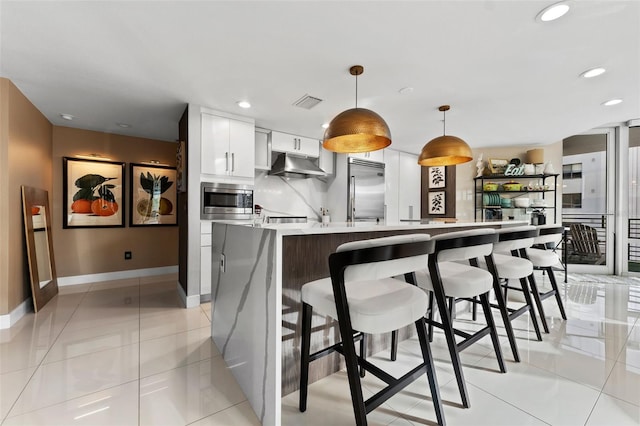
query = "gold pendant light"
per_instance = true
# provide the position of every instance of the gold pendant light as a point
(445, 150)
(356, 129)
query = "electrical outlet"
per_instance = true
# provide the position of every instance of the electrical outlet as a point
(127, 255)
(222, 263)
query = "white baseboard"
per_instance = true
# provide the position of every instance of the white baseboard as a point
(188, 301)
(6, 321)
(118, 275)
(14, 316)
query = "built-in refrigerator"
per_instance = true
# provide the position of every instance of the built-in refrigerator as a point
(365, 188)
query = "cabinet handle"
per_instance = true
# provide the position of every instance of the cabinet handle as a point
(233, 162)
(410, 212)
(298, 139)
(353, 198)
(226, 161)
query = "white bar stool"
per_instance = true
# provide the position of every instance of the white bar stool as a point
(546, 259)
(364, 298)
(507, 265)
(447, 278)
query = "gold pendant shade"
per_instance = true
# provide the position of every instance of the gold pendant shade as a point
(445, 150)
(357, 130)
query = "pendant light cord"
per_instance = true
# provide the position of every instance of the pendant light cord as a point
(356, 90)
(444, 122)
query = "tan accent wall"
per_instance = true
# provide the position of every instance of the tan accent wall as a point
(83, 251)
(25, 159)
(466, 172)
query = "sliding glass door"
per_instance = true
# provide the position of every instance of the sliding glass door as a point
(588, 200)
(633, 243)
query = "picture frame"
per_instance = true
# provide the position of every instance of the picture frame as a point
(498, 165)
(437, 177)
(92, 193)
(153, 195)
(437, 202)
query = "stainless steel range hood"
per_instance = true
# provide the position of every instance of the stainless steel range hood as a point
(293, 166)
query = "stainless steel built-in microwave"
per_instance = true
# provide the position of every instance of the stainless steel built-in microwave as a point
(224, 201)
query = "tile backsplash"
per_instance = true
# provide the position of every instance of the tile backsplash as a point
(282, 196)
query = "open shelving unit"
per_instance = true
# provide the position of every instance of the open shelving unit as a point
(485, 213)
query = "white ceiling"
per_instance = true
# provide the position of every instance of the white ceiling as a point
(508, 78)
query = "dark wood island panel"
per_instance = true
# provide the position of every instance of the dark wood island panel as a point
(304, 259)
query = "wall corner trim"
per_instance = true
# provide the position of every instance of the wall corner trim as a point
(188, 301)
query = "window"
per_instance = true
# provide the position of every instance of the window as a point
(572, 201)
(572, 171)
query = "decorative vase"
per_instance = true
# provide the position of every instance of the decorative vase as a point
(529, 169)
(549, 170)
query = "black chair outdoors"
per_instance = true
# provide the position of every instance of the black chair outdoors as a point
(362, 295)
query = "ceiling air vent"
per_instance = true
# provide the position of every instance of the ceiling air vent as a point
(307, 102)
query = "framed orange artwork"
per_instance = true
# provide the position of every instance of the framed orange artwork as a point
(92, 193)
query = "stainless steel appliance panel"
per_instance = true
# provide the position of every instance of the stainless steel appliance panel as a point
(366, 190)
(222, 201)
(286, 219)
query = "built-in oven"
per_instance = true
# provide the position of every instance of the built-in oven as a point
(224, 201)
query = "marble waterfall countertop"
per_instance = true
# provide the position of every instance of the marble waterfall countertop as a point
(257, 273)
(311, 228)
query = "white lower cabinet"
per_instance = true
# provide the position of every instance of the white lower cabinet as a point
(205, 264)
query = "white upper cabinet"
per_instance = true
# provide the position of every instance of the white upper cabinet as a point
(327, 161)
(263, 150)
(228, 147)
(284, 142)
(371, 156)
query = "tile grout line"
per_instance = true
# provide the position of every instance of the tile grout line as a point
(44, 357)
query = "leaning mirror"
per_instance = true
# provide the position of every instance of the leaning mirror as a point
(37, 227)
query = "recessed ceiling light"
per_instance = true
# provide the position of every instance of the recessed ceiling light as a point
(124, 125)
(67, 116)
(405, 90)
(594, 72)
(325, 125)
(612, 102)
(553, 12)
(244, 104)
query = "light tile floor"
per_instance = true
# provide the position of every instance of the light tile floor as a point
(125, 353)
(117, 353)
(585, 372)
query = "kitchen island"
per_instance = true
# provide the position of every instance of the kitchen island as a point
(257, 273)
